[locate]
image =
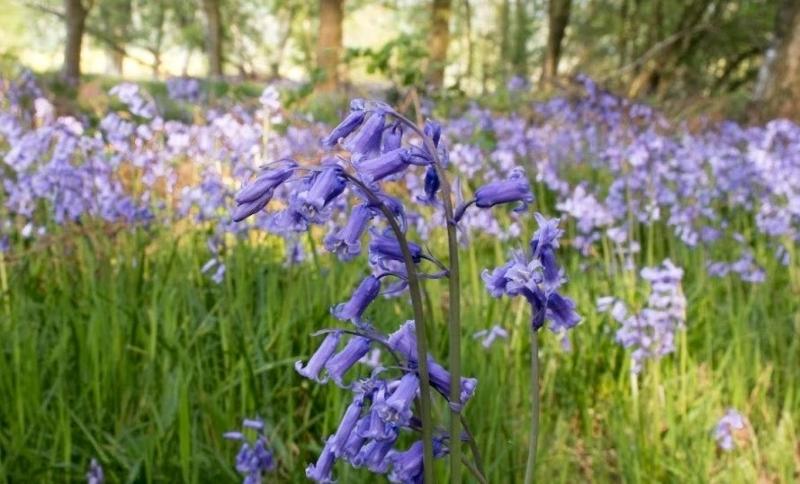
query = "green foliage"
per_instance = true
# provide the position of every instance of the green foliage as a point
(401, 60)
(120, 349)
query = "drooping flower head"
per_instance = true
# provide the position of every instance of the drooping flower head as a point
(536, 277)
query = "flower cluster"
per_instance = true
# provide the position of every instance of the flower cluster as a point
(537, 277)
(727, 428)
(651, 332)
(254, 458)
(373, 146)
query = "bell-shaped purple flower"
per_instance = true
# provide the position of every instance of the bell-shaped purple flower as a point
(543, 246)
(387, 247)
(317, 362)
(406, 465)
(267, 181)
(326, 185)
(514, 189)
(347, 425)
(382, 166)
(497, 280)
(433, 130)
(322, 471)
(392, 137)
(561, 312)
(356, 439)
(440, 380)
(396, 409)
(365, 293)
(403, 341)
(376, 427)
(394, 205)
(339, 364)
(346, 242)
(350, 123)
(246, 209)
(367, 140)
(373, 455)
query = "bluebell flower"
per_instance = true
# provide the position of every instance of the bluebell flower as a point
(431, 185)
(346, 242)
(536, 277)
(347, 426)
(347, 126)
(394, 206)
(373, 455)
(514, 189)
(267, 181)
(377, 168)
(365, 293)
(246, 209)
(326, 186)
(392, 137)
(317, 362)
(407, 465)
(355, 349)
(95, 474)
(726, 430)
(366, 142)
(386, 247)
(322, 471)
(544, 244)
(440, 380)
(396, 409)
(254, 457)
(433, 130)
(403, 341)
(355, 440)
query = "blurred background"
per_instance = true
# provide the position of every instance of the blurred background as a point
(738, 58)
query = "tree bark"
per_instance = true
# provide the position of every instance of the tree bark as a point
(329, 43)
(558, 18)
(438, 41)
(521, 34)
(75, 19)
(214, 39)
(783, 82)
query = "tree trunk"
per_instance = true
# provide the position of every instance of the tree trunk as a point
(504, 26)
(783, 82)
(558, 18)
(329, 43)
(521, 34)
(438, 41)
(75, 17)
(214, 39)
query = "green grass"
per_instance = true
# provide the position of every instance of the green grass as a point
(120, 349)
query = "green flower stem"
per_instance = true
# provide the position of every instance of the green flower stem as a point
(530, 468)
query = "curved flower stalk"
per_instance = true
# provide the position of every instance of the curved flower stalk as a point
(379, 152)
(537, 277)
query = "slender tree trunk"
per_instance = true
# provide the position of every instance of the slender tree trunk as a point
(558, 18)
(521, 33)
(783, 80)
(438, 41)
(329, 43)
(214, 37)
(504, 27)
(75, 17)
